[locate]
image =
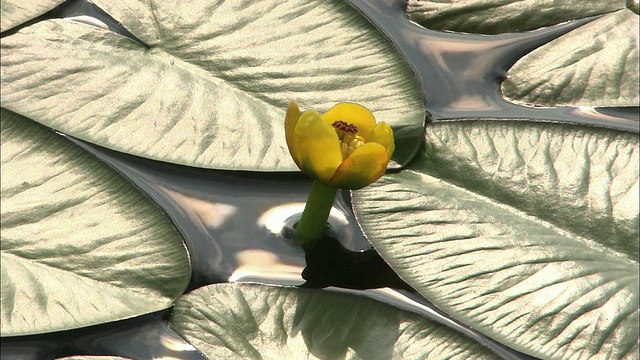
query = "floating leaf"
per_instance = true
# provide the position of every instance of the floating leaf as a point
(211, 87)
(477, 225)
(594, 65)
(584, 180)
(80, 245)
(258, 322)
(501, 16)
(16, 12)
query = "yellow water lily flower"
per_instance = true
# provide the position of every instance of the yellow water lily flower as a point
(343, 148)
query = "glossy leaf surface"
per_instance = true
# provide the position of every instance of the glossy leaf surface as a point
(502, 16)
(594, 65)
(526, 232)
(16, 12)
(236, 321)
(80, 245)
(212, 84)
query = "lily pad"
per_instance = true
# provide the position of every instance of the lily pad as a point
(210, 86)
(503, 16)
(16, 12)
(477, 225)
(80, 245)
(260, 322)
(594, 65)
(584, 180)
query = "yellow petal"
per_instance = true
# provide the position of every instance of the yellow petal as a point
(290, 122)
(316, 147)
(351, 113)
(364, 166)
(383, 135)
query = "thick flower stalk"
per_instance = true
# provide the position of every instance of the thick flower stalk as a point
(343, 148)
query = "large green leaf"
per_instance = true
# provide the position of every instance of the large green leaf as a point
(16, 12)
(235, 321)
(594, 65)
(501, 16)
(527, 232)
(211, 87)
(80, 245)
(584, 180)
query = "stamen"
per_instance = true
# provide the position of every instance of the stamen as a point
(349, 138)
(344, 126)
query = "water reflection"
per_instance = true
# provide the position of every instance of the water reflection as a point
(612, 115)
(203, 214)
(262, 266)
(280, 221)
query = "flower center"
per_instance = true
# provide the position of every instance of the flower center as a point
(349, 138)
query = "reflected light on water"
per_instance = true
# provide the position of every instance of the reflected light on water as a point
(278, 218)
(204, 213)
(258, 265)
(588, 110)
(175, 344)
(88, 20)
(470, 102)
(603, 115)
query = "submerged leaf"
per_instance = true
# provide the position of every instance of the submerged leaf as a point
(80, 245)
(478, 225)
(229, 321)
(211, 87)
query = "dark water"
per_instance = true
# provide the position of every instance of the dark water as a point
(236, 224)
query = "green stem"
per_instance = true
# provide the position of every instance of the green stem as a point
(316, 213)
